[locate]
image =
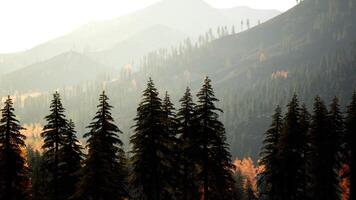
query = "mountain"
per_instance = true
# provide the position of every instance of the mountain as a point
(66, 69)
(103, 35)
(309, 50)
(137, 46)
(246, 13)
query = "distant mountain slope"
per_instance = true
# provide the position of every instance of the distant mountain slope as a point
(310, 50)
(102, 35)
(137, 46)
(63, 70)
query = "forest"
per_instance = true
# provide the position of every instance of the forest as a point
(179, 154)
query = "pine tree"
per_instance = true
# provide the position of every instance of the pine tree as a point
(53, 134)
(350, 139)
(36, 173)
(269, 154)
(104, 172)
(14, 179)
(291, 149)
(171, 157)
(323, 144)
(188, 158)
(305, 118)
(215, 159)
(71, 158)
(149, 147)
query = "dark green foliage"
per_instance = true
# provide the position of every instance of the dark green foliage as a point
(324, 184)
(37, 175)
(350, 141)
(53, 134)
(104, 173)
(171, 157)
(269, 157)
(305, 118)
(291, 154)
(71, 158)
(14, 174)
(215, 160)
(149, 148)
(187, 148)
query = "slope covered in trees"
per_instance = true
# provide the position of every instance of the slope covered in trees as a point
(309, 50)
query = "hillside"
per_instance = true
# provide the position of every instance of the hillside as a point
(309, 50)
(137, 46)
(50, 74)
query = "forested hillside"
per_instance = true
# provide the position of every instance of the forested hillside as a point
(309, 50)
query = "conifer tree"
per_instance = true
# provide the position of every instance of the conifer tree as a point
(291, 150)
(36, 173)
(104, 172)
(215, 159)
(350, 140)
(269, 154)
(324, 183)
(149, 148)
(71, 158)
(305, 118)
(187, 148)
(14, 174)
(53, 134)
(171, 157)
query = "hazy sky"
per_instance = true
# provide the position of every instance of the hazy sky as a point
(26, 23)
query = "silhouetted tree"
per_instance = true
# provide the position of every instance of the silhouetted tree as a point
(149, 147)
(104, 172)
(291, 150)
(71, 158)
(216, 167)
(305, 118)
(37, 174)
(53, 134)
(350, 139)
(187, 148)
(323, 150)
(171, 156)
(269, 157)
(14, 174)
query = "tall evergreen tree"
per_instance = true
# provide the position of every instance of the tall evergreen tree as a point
(350, 140)
(71, 158)
(269, 154)
(149, 147)
(324, 142)
(305, 118)
(291, 150)
(104, 172)
(53, 134)
(14, 178)
(36, 173)
(215, 159)
(171, 157)
(187, 148)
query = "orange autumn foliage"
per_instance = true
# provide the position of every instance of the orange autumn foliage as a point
(33, 134)
(344, 182)
(248, 170)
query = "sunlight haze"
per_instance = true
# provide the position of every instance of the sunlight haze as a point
(26, 23)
